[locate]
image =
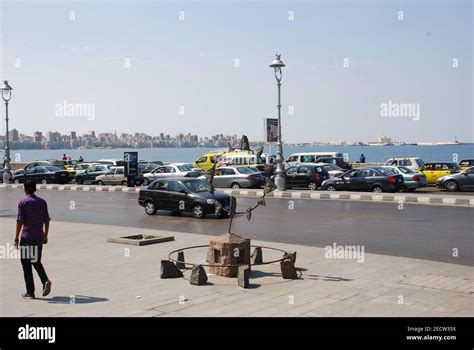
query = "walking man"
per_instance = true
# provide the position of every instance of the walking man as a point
(32, 215)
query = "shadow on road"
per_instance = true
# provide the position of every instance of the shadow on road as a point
(76, 299)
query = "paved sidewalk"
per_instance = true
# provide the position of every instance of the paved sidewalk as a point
(444, 199)
(94, 278)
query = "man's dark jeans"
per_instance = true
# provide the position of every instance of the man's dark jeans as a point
(31, 251)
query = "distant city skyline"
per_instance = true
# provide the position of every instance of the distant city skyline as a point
(355, 70)
(93, 139)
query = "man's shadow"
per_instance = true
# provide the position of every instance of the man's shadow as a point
(73, 299)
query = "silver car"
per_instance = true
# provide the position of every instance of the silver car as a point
(237, 177)
(412, 179)
(115, 176)
(169, 170)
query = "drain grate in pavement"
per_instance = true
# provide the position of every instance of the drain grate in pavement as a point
(141, 239)
(451, 284)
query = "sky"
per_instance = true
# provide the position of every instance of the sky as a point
(202, 67)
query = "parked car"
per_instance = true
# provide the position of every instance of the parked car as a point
(414, 163)
(168, 171)
(189, 165)
(310, 176)
(435, 170)
(80, 167)
(458, 181)
(375, 179)
(182, 195)
(37, 163)
(207, 160)
(91, 173)
(114, 162)
(43, 175)
(310, 157)
(411, 178)
(332, 169)
(339, 161)
(116, 176)
(466, 163)
(146, 167)
(237, 177)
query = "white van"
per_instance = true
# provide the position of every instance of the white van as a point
(411, 162)
(310, 157)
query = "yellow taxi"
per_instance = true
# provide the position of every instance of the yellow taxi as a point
(435, 170)
(245, 158)
(207, 160)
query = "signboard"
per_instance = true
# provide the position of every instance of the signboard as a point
(271, 125)
(131, 167)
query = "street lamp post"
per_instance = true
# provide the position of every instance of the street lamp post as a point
(6, 95)
(280, 181)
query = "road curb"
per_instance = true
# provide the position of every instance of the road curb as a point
(385, 197)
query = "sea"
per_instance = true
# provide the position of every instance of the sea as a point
(373, 154)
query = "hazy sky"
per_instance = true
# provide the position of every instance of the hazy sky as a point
(202, 67)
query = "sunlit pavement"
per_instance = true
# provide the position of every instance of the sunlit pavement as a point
(94, 278)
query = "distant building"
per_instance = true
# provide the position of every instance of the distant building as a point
(38, 136)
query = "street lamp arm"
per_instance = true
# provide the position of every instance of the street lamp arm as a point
(278, 74)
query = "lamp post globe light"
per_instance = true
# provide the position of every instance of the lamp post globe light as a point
(280, 180)
(6, 95)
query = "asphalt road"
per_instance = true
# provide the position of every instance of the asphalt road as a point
(417, 231)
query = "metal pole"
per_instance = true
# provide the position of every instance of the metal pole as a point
(280, 180)
(7, 175)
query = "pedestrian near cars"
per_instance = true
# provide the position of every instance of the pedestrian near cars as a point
(362, 158)
(32, 217)
(81, 159)
(64, 156)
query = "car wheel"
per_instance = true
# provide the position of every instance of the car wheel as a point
(17, 181)
(44, 181)
(100, 183)
(235, 185)
(79, 181)
(124, 183)
(312, 186)
(146, 182)
(198, 211)
(412, 189)
(330, 188)
(150, 208)
(451, 186)
(377, 189)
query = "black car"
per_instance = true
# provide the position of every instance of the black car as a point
(340, 162)
(309, 175)
(375, 179)
(43, 174)
(458, 181)
(183, 195)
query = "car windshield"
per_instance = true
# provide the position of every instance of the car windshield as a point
(184, 168)
(245, 170)
(406, 170)
(197, 186)
(387, 171)
(52, 168)
(419, 162)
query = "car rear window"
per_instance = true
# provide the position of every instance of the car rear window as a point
(406, 170)
(387, 171)
(245, 170)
